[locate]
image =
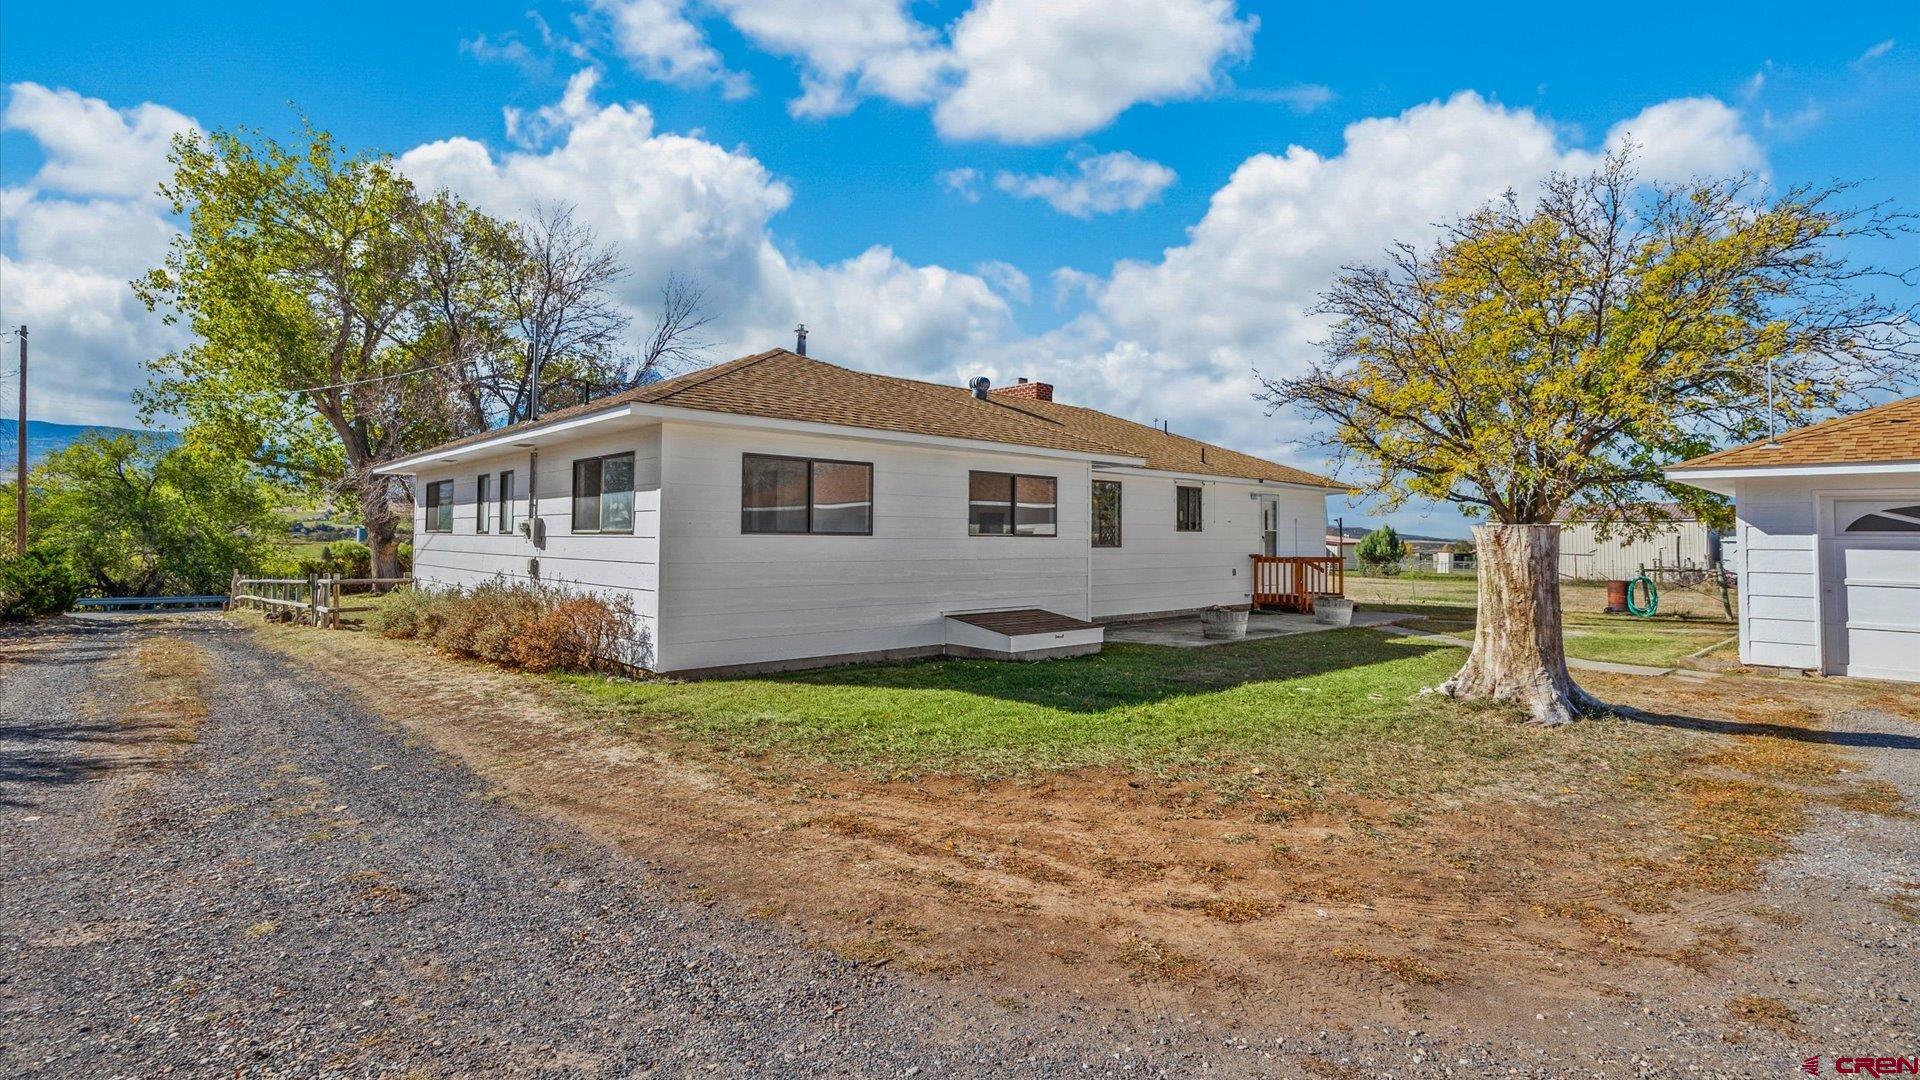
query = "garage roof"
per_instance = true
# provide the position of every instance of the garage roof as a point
(1884, 434)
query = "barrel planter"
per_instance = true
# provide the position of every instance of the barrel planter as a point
(1223, 623)
(1333, 610)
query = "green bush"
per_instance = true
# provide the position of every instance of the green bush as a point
(520, 625)
(1381, 550)
(414, 613)
(341, 558)
(40, 582)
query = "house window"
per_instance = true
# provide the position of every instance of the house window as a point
(1003, 504)
(440, 506)
(480, 497)
(506, 502)
(1106, 513)
(603, 494)
(1186, 509)
(805, 495)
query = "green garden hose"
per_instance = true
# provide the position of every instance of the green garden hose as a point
(1652, 605)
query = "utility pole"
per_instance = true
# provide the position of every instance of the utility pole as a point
(20, 478)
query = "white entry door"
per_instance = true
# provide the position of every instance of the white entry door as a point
(1871, 606)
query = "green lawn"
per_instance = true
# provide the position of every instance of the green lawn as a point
(1344, 705)
(1446, 604)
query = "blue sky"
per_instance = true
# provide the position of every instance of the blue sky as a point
(1135, 200)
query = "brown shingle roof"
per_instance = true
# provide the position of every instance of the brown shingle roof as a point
(783, 385)
(1171, 453)
(1884, 433)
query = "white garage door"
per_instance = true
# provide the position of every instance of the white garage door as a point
(1872, 587)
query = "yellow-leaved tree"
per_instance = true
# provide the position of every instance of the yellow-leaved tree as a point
(1564, 351)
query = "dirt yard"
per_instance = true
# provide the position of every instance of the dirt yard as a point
(1733, 881)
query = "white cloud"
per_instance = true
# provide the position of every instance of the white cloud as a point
(1099, 184)
(679, 204)
(1034, 70)
(92, 148)
(1302, 98)
(1874, 52)
(73, 235)
(964, 182)
(660, 42)
(1686, 137)
(1013, 70)
(1007, 279)
(847, 48)
(1179, 336)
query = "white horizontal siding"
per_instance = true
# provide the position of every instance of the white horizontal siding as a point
(1158, 568)
(627, 564)
(732, 598)
(1779, 590)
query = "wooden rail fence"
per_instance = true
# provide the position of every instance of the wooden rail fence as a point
(1290, 582)
(311, 599)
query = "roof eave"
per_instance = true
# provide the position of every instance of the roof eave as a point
(1721, 478)
(1177, 474)
(531, 436)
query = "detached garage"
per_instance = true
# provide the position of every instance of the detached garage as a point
(1829, 552)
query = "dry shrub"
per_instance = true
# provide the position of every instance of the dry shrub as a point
(522, 625)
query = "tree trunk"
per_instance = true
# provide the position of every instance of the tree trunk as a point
(1518, 654)
(382, 529)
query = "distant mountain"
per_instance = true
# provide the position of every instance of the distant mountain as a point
(45, 437)
(1359, 532)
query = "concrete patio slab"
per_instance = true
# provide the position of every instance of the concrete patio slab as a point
(1184, 632)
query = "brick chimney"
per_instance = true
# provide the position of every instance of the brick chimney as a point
(1034, 391)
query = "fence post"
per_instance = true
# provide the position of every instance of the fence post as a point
(333, 602)
(313, 600)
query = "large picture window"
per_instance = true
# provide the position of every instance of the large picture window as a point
(1106, 513)
(1005, 504)
(440, 506)
(603, 494)
(480, 500)
(1187, 502)
(805, 495)
(507, 522)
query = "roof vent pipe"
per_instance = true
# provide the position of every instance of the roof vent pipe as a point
(800, 339)
(979, 384)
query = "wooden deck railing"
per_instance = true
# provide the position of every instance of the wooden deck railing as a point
(1289, 582)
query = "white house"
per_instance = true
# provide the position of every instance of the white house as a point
(1829, 542)
(777, 511)
(1595, 548)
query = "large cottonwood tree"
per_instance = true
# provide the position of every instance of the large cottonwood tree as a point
(330, 318)
(1565, 350)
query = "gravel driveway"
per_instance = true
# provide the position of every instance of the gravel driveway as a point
(301, 890)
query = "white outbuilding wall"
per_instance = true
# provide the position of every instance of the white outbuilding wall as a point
(1785, 528)
(1586, 555)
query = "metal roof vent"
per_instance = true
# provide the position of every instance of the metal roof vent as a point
(980, 384)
